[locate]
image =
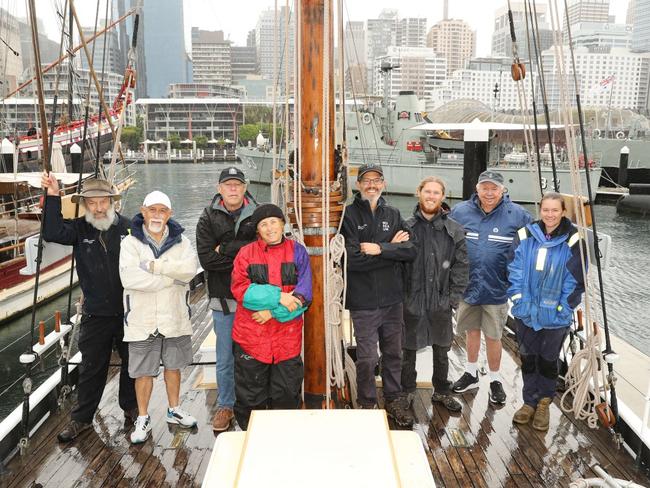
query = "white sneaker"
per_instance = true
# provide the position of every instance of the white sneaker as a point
(177, 416)
(141, 430)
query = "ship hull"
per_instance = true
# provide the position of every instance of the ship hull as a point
(403, 178)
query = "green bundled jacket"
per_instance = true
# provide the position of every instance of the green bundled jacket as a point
(267, 297)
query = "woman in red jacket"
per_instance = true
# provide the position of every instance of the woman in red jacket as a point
(271, 281)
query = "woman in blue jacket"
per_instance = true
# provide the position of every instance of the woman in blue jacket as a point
(546, 284)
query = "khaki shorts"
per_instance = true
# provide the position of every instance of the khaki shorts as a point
(145, 356)
(491, 319)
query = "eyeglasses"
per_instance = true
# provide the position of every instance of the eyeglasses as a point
(368, 181)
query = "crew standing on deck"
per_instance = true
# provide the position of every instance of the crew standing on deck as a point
(377, 242)
(434, 285)
(157, 262)
(95, 239)
(491, 221)
(546, 284)
(271, 281)
(222, 230)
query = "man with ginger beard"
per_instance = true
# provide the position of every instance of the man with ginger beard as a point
(95, 239)
(434, 285)
(377, 243)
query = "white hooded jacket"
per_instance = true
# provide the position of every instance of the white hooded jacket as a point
(156, 300)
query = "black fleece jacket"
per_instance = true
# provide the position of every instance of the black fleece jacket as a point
(96, 254)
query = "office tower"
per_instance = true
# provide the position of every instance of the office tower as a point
(641, 26)
(211, 57)
(380, 33)
(454, 40)
(164, 46)
(501, 39)
(412, 32)
(275, 46)
(415, 68)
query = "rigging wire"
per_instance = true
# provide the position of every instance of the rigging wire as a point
(597, 253)
(549, 134)
(528, 13)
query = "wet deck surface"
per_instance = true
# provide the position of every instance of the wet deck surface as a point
(480, 447)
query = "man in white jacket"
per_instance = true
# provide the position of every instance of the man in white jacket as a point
(156, 264)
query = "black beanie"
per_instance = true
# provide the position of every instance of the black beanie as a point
(265, 211)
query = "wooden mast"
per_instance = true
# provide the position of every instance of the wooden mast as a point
(312, 113)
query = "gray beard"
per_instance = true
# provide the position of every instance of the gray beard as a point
(373, 201)
(101, 224)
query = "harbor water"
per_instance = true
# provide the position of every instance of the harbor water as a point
(192, 186)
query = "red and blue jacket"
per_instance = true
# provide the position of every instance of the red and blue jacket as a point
(285, 265)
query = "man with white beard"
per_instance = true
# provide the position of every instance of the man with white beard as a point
(157, 263)
(377, 242)
(95, 239)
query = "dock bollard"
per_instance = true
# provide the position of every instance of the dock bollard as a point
(41, 332)
(622, 166)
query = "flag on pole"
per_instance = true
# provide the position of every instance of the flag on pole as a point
(603, 85)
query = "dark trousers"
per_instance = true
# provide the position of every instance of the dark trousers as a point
(439, 379)
(383, 325)
(539, 351)
(96, 338)
(261, 386)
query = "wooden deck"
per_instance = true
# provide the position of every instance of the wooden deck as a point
(478, 448)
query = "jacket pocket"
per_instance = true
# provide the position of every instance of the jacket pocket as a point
(127, 309)
(521, 308)
(554, 314)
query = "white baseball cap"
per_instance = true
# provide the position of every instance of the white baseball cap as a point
(157, 197)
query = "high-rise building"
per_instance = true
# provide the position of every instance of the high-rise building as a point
(617, 76)
(108, 43)
(354, 44)
(411, 32)
(501, 39)
(494, 87)
(275, 46)
(629, 15)
(454, 40)
(211, 57)
(243, 62)
(49, 48)
(596, 35)
(164, 46)
(415, 68)
(588, 11)
(10, 58)
(380, 33)
(641, 26)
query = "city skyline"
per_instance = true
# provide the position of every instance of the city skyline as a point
(227, 16)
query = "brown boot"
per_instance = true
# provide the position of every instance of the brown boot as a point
(541, 418)
(222, 419)
(523, 415)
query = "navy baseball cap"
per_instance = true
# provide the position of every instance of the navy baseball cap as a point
(366, 168)
(491, 177)
(232, 173)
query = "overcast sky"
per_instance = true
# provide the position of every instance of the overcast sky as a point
(237, 17)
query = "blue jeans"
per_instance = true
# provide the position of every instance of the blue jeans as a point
(225, 359)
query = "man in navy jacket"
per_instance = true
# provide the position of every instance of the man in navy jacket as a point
(491, 221)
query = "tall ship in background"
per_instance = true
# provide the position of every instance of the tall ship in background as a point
(71, 160)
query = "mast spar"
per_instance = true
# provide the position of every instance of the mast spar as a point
(320, 203)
